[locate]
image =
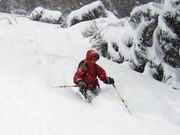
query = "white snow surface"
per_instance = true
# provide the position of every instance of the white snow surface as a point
(36, 56)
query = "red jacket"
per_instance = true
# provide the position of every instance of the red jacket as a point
(89, 72)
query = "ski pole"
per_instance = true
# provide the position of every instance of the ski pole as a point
(64, 86)
(121, 99)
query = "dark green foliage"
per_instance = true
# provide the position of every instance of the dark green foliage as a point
(146, 40)
(121, 59)
(159, 73)
(115, 47)
(96, 39)
(142, 60)
(40, 14)
(117, 60)
(139, 67)
(130, 43)
(175, 3)
(173, 22)
(36, 16)
(137, 17)
(5, 6)
(172, 57)
(91, 31)
(74, 20)
(148, 15)
(171, 47)
(169, 40)
(147, 34)
(97, 12)
(100, 45)
(48, 20)
(103, 49)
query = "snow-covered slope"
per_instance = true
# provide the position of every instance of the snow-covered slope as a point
(35, 56)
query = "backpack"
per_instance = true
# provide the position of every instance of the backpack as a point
(82, 62)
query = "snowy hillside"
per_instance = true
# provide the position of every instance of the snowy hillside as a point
(148, 39)
(36, 56)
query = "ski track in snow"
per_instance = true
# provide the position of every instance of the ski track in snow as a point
(36, 56)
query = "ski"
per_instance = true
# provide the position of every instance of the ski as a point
(88, 100)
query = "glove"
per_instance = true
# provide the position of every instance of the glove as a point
(109, 80)
(82, 85)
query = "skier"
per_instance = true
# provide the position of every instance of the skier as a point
(86, 76)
